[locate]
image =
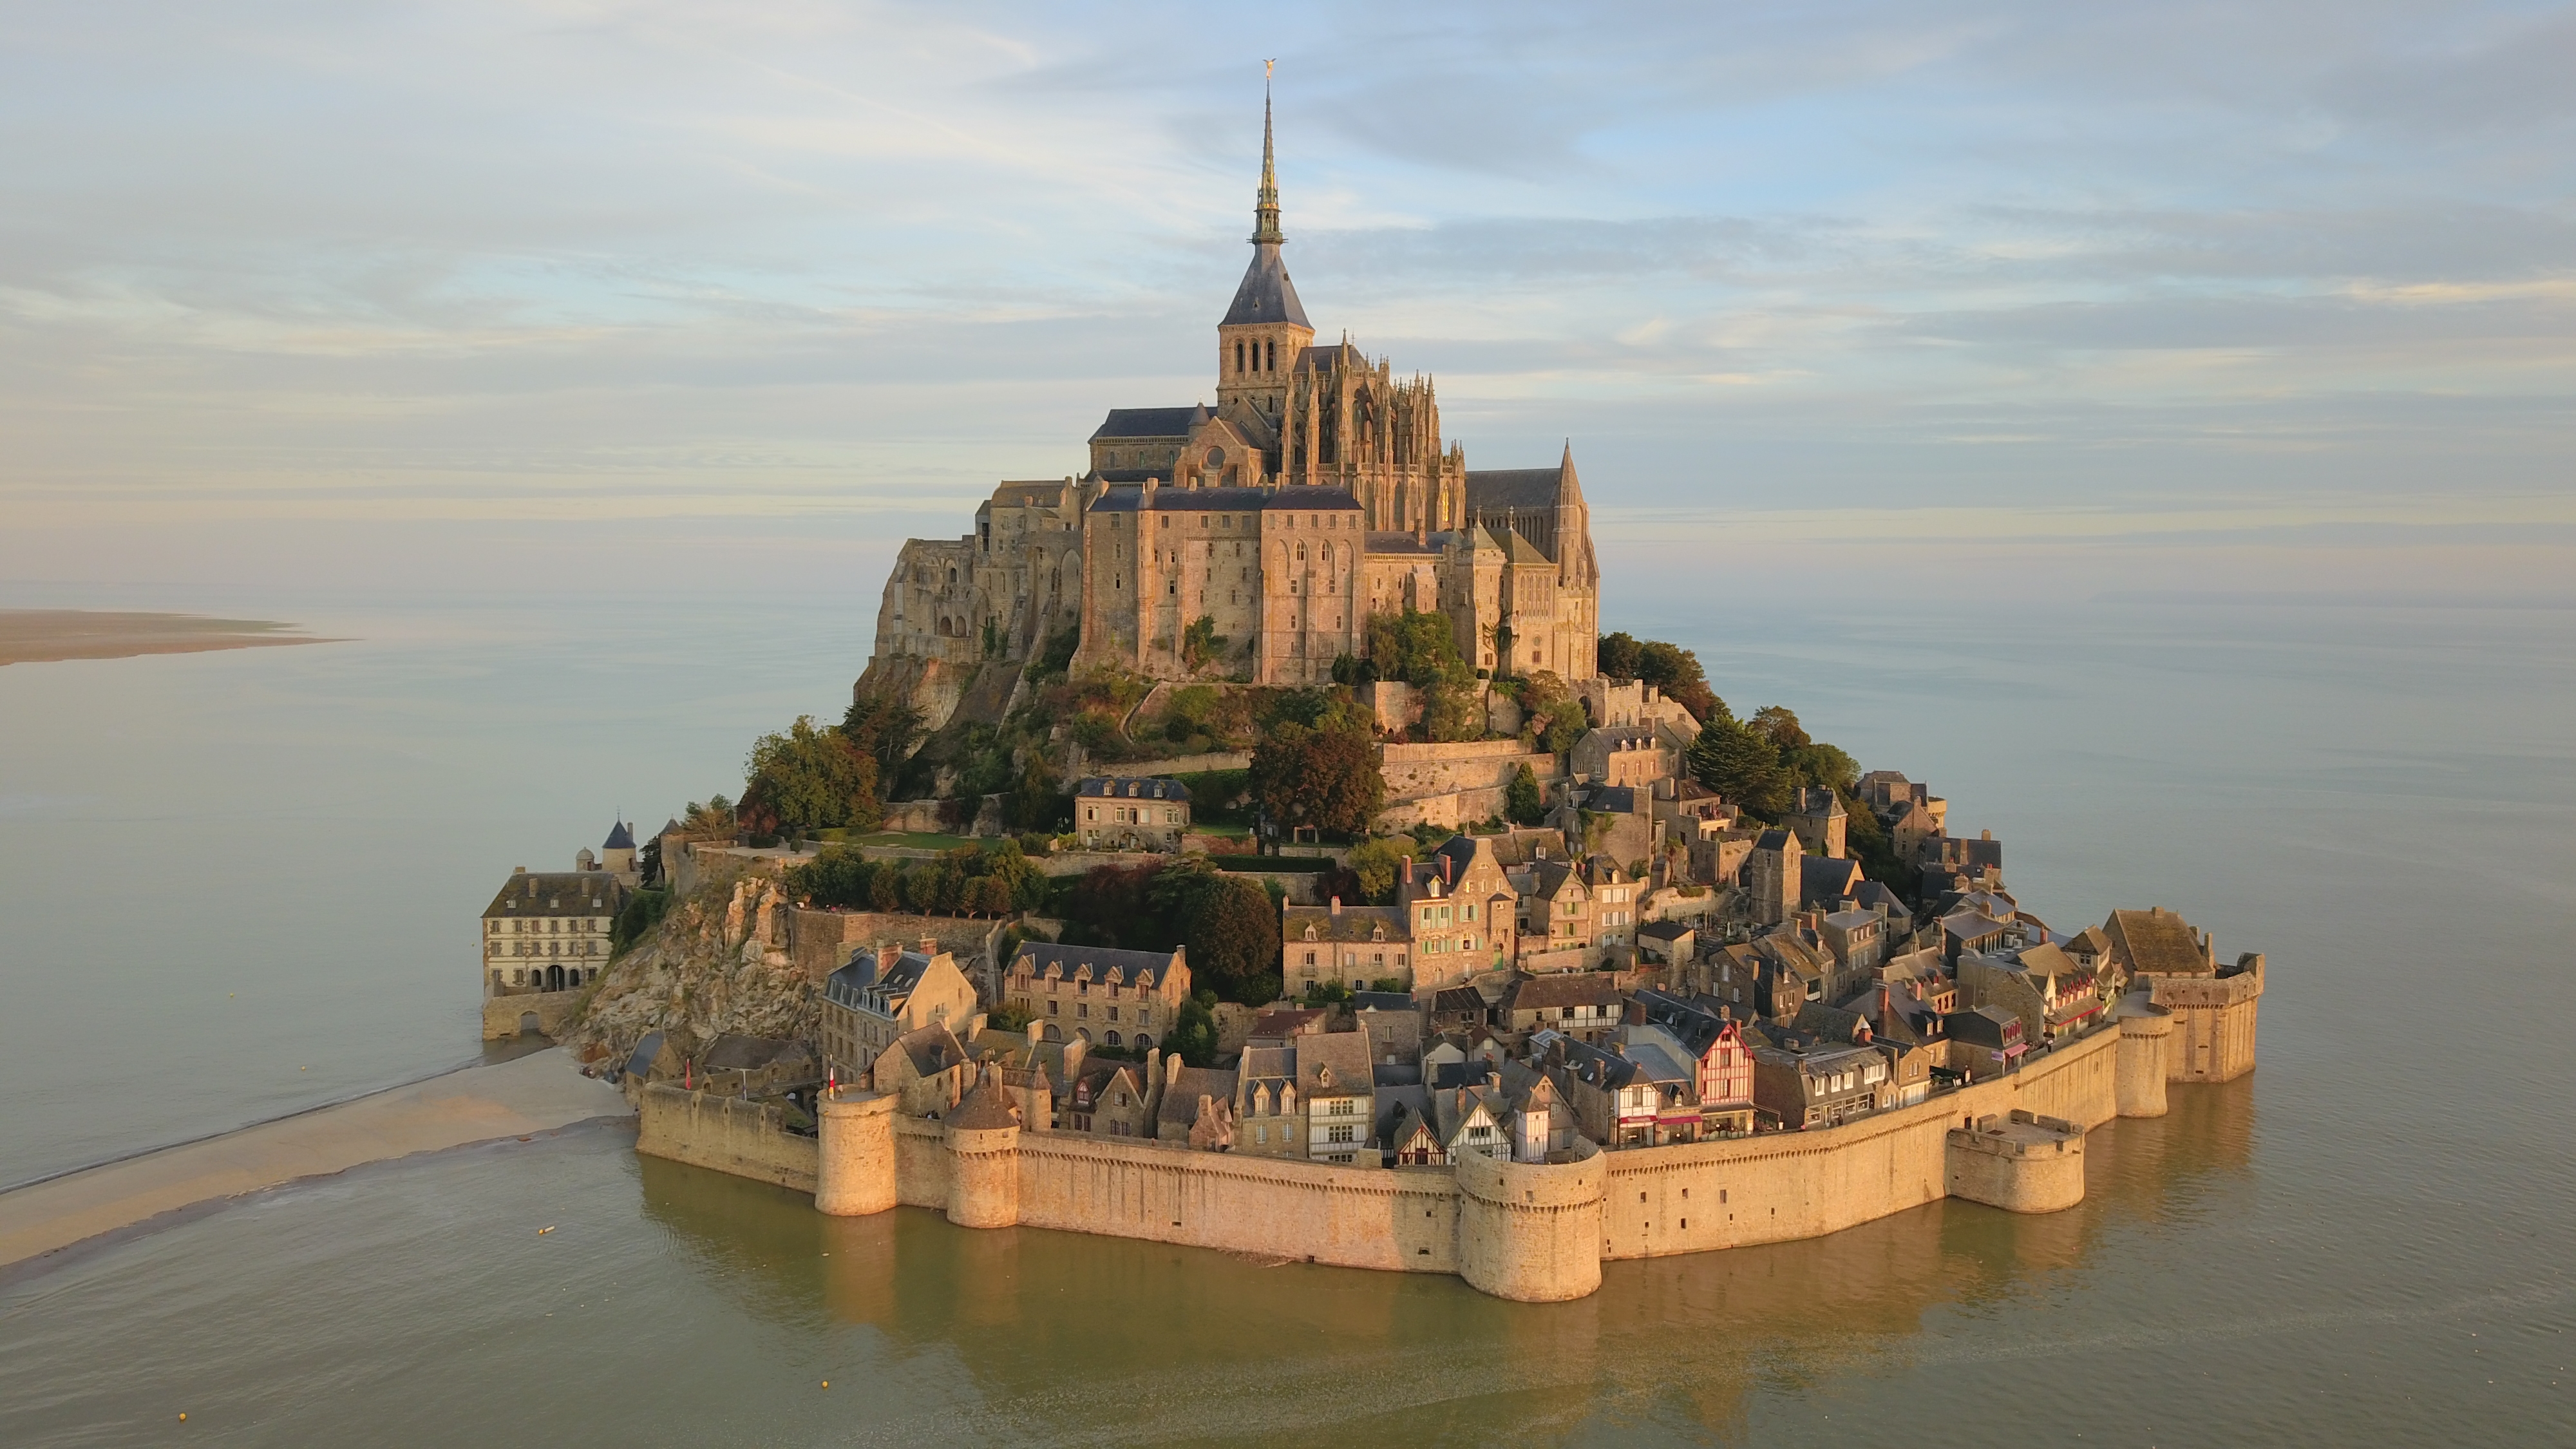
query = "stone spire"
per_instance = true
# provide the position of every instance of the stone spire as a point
(1265, 209)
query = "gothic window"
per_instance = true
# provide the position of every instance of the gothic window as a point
(1273, 365)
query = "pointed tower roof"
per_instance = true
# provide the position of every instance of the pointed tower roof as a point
(1266, 295)
(620, 837)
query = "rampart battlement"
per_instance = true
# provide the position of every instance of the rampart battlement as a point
(1530, 1231)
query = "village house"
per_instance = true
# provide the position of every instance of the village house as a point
(1667, 943)
(1796, 969)
(1335, 1083)
(1268, 1117)
(1583, 1005)
(1352, 946)
(1818, 818)
(1120, 813)
(1722, 1065)
(1463, 912)
(1098, 994)
(1556, 924)
(1392, 1022)
(1113, 1098)
(1197, 1107)
(1985, 1041)
(1406, 1131)
(1469, 1113)
(549, 930)
(1804, 1083)
(885, 992)
(926, 1071)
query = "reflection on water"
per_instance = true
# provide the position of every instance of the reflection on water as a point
(1092, 1327)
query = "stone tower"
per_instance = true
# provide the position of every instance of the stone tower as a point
(1265, 328)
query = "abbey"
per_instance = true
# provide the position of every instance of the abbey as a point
(1253, 539)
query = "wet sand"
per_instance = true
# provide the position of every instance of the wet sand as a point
(41, 636)
(536, 1093)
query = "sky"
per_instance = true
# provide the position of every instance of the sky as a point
(586, 296)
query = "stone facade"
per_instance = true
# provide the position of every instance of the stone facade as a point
(1317, 490)
(548, 930)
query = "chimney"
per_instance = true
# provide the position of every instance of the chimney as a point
(1449, 868)
(1408, 870)
(1172, 1069)
(1337, 905)
(887, 954)
(518, 870)
(930, 945)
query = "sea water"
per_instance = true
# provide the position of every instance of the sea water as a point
(237, 884)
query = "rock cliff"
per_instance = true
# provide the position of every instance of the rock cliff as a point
(717, 963)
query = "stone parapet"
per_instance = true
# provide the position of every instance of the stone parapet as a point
(546, 1013)
(728, 1134)
(2145, 1031)
(2022, 1163)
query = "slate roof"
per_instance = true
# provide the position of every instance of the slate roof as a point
(1149, 422)
(986, 1107)
(1180, 1104)
(1300, 498)
(1382, 1001)
(1343, 1053)
(1316, 359)
(1665, 930)
(933, 1048)
(1513, 488)
(1141, 968)
(2154, 941)
(1265, 294)
(552, 893)
(619, 837)
(1355, 924)
(1125, 787)
(1578, 988)
(640, 1062)
(1823, 878)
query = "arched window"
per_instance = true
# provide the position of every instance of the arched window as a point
(1113, 1038)
(1274, 357)
(1238, 357)
(1143, 1041)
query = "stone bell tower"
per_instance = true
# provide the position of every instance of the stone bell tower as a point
(1265, 329)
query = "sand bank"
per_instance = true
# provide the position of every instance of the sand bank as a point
(38, 636)
(535, 1093)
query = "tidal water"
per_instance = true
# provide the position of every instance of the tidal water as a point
(236, 884)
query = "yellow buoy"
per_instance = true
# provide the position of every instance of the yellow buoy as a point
(541, 1232)
(183, 1416)
(827, 1383)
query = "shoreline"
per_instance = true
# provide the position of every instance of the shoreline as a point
(55, 636)
(537, 1093)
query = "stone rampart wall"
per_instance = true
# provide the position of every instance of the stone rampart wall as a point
(1420, 772)
(728, 1134)
(1631, 1204)
(1777, 1187)
(506, 1016)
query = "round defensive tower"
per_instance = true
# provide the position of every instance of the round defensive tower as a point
(854, 1142)
(2145, 1030)
(983, 1136)
(1530, 1231)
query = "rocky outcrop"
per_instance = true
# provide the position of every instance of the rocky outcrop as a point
(718, 963)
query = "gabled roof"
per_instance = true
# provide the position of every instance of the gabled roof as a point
(1525, 489)
(1334, 1064)
(2157, 941)
(553, 893)
(1355, 925)
(1180, 1104)
(1576, 988)
(1154, 423)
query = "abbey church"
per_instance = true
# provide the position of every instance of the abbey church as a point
(1316, 492)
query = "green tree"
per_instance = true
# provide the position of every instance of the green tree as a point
(1193, 1031)
(1522, 802)
(1231, 931)
(809, 778)
(1779, 724)
(1418, 648)
(1200, 642)
(1327, 778)
(1741, 764)
(1676, 671)
(636, 919)
(885, 727)
(1376, 861)
(1039, 801)
(1617, 656)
